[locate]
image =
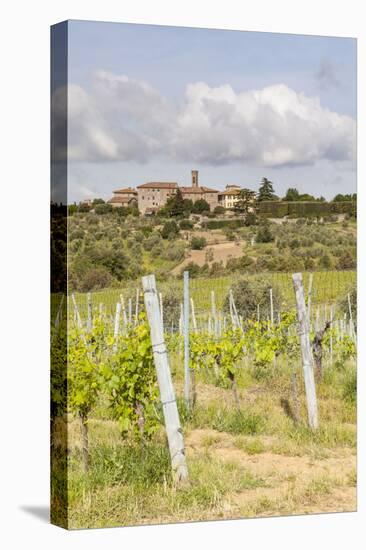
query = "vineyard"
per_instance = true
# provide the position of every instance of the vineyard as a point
(194, 401)
(328, 286)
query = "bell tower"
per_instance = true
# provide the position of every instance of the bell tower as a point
(194, 178)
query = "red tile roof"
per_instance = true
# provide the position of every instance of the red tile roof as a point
(229, 192)
(158, 185)
(197, 190)
(125, 190)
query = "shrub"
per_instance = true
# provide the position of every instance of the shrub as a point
(251, 219)
(248, 293)
(325, 262)
(95, 279)
(245, 263)
(346, 262)
(186, 224)
(264, 234)
(171, 305)
(193, 269)
(152, 241)
(200, 206)
(174, 252)
(198, 243)
(170, 230)
(84, 208)
(294, 243)
(102, 209)
(220, 224)
(76, 234)
(219, 210)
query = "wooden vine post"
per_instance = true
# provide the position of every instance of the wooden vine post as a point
(310, 289)
(116, 325)
(89, 324)
(187, 373)
(271, 305)
(307, 359)
(167, 395)
(77, 314)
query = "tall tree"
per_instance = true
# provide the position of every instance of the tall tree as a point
(266, 191)
(245, 201)
(345, 198)
(292, 194)
(175, 205)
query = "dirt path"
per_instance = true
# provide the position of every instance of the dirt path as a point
(221, 252)
(292, 484)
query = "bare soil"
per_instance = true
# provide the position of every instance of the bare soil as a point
(222, 252)
(294, 484)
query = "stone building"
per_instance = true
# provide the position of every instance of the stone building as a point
(229, 197)
(124, 197)
(196, 192)
(153, 195)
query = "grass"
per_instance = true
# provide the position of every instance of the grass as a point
(242, 463)
(127, 487)
(228, 420)
(250, 446)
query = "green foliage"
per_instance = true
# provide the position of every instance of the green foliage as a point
(345, 198)
(208, 352)
(83, 373)
(122, 370)
(303, 208)
(95, 278)
(175, 205)
(264, 234)
(292, 194)
(170, 230)
(58, 372)
(193, 269)
(236, 422)
(245, 201)
(186, 224)
(200, 206)
(249, 293)
(131, 463)
(198, 243)
(130, 383)
(349, 393)
(325, 262)
(250, 219)
(343, 303)
(103, 208)
(266, 191)
(219, 210)
(175, 251)
(220, 224)
(82, 208)
(346, 261)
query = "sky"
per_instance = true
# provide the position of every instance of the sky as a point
(151, 103)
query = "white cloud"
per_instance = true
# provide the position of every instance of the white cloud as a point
(125, 119)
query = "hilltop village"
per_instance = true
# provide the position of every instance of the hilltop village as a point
(151, 196)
